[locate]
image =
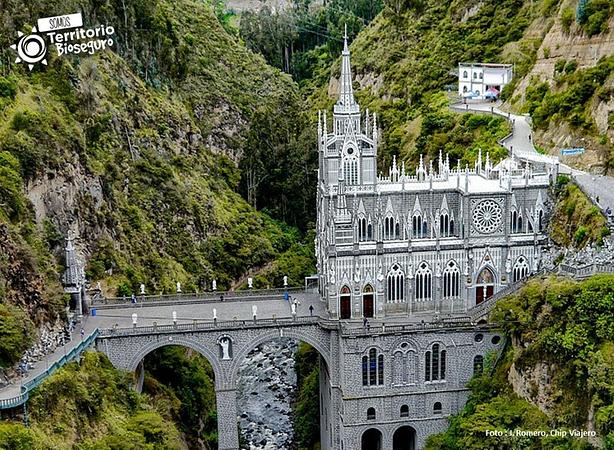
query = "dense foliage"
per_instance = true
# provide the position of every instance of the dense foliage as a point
(569, 99)
(567, 326)
(593, 15)
(186, 378)
(570, 324)
(307, 407)
(145, 143)
(576, 221)
(90, 406)
(304, 36)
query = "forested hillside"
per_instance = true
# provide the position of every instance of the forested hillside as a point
(143, 154)
(557, 372)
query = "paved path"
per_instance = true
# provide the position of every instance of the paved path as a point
(148, 313)
(13, 389)
(521, 145)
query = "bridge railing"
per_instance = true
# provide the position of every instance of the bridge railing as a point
(194, 296)
(383, 329)
(211, 325)
(484, 307)
(36, 381)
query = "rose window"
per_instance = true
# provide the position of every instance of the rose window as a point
(487, 217)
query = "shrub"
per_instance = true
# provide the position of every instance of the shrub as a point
(15, 436)
(567, 17)
(580, 235)
(571, 66)
(16, 332)
(559, 66)
(8, 87)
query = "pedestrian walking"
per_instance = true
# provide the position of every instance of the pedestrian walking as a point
(82, 333)
(311, 310)
(364, 323)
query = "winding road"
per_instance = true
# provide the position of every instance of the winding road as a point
(599, 188)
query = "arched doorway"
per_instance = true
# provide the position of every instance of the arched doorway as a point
(404, 439)
(345, 303)
(371, 439)
(367, 301)
(484, 285)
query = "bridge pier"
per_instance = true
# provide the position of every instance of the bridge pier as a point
(227, 425)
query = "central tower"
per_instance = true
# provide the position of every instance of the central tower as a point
(347, 155)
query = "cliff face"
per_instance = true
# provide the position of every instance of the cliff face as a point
(559, 43)
(136, 150)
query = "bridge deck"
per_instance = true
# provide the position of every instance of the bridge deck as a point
(188, 311)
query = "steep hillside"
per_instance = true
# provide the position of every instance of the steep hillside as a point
(567, 47)
(557, 373)
(409, 54)
(90, 405)
(136, 152)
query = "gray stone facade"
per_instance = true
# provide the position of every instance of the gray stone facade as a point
(345, 398)
(437, 239)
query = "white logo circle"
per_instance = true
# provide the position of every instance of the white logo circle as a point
(31, 48)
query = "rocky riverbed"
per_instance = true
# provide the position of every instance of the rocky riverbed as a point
(267, 387)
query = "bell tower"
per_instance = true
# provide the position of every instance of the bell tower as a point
(348, 154)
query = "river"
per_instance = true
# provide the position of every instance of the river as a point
(267, 390)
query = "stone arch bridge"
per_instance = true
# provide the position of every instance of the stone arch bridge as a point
(373, 389)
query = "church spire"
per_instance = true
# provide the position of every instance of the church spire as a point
(346, 102)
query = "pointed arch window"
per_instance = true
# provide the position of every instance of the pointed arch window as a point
(516, 221)
(446, 224)
(521, 269)
(435, 363)
(345, 303)
(391, 228)
(418, 226)
(451, 280)
(540, 220)
(423, 282)
(395, 284)
(362, 229)
(373, 368)
(350, 166)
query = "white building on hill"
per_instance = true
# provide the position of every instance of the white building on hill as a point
(476, 80)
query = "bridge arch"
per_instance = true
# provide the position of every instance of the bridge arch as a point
(272, 334)
(183, 341)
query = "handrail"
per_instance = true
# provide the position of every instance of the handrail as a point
(36, 381)
(211, 325)
(201, 296)
(461, 322)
